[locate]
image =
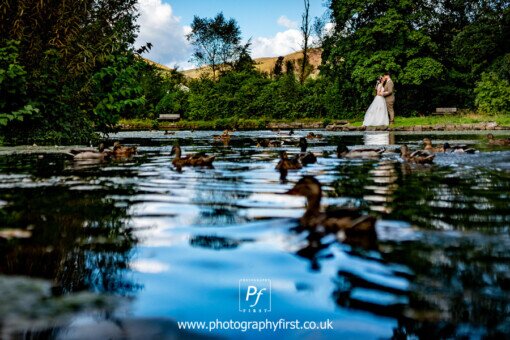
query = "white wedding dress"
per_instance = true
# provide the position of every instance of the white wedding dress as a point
(377, 113)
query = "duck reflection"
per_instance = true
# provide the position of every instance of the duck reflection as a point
(216, 242)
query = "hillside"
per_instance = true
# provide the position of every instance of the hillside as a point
(267, 64)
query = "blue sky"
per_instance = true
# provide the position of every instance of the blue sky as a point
(256, 18)
(273, 25)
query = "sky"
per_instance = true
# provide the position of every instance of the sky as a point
(272, 25)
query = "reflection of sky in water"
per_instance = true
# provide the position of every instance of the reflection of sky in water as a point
(198, 232)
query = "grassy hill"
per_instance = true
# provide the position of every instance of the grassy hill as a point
(267, 64)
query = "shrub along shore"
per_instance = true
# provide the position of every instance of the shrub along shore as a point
(429, 123)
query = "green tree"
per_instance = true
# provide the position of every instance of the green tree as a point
(278, 67)
(14, 104)
(371, 37)
(217, 42)
(116, 90)
(63, 45)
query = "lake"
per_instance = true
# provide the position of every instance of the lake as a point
(160, 246)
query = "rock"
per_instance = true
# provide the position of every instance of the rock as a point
(479, 126)
(439, 127)
(491, 125)
(449, 127)
(418, 128)
(340, 122)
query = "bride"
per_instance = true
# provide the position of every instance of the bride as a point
(377, 113)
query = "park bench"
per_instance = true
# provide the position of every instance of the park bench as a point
(445, 111)
(169, 117)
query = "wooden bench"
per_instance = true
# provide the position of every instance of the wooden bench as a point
(445, 111)
(169, 117)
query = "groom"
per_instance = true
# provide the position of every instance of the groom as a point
(389, 96)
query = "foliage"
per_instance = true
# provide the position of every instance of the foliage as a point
(116, 90)
(436, 52)
(62, 47)
(217, 42)
(175, 102)
(13, 86)
(493, 94)
(278, 67)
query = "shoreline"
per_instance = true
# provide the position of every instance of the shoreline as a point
(336, 125)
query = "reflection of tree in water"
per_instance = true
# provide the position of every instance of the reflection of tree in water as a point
(217, 204)
(461, 281)
(79, 239)
(462, 284)
(453, 198)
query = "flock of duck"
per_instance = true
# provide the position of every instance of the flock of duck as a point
(349, 224)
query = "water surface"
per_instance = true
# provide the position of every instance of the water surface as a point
(174, 244)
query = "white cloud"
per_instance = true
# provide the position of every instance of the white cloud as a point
(281, 44)
(159, 26)
(286, 22)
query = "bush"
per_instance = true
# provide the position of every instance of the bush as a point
(493, 94)
(173, 103)
(14, 104)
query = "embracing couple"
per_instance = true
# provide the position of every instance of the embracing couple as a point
(382, 106)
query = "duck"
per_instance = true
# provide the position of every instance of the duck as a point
(350, 221)
(430, 148)
(101, 154)
(288, 164)
(306, 157)
(418, 157)
(458, 149)
(312, 135)
(494, 141)
(198, 159)
(268, 143)
(225, 136)
(123, 151)
(290, 133)
(343, 152)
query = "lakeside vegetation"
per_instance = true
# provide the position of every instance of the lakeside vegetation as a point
(69, 72)
(254, 124)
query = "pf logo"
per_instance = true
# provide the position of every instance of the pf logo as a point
(254, 295)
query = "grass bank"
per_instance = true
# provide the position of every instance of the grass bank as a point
(471, 118)
(218, 124)
(256, 124)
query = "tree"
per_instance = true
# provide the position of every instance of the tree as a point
(217, 42)
(289, 67)
(306, 31)
(62, 45)
(278, 67)
(372, 37)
